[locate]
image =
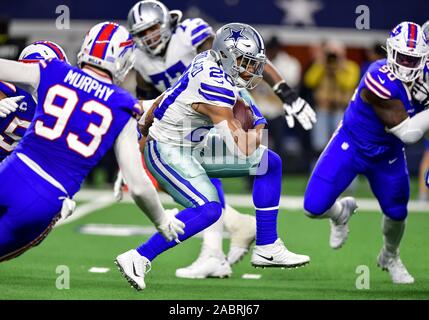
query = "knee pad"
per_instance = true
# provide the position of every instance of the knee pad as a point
(398, 213)
(313, 208)
(274, 162)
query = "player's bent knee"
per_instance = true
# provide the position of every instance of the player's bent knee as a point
(397, 213)
(312, 208)
(213, 211)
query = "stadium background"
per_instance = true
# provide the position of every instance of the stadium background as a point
(300, 26)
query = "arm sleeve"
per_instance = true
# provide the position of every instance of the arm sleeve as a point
(24, 74)
(412, 129)
(141, 188)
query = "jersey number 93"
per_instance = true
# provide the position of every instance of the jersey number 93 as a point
(63, 114)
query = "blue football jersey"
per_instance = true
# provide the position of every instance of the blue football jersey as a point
(361, 122)
(77, 120)
(13, 127)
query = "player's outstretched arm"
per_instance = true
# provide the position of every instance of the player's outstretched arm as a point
(24, 74)
(141, 188)
(393, 115)
(230, 129)
(293, 105)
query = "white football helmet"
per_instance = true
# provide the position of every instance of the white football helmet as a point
(239, 42)
(146, 15)
(110, 47)
(407, 51)
(42, 50)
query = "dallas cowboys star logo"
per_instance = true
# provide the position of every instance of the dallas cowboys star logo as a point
(236, 35)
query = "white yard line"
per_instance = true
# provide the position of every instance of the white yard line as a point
(286, 202)
(100, 199)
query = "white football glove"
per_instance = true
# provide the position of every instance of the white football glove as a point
(295, 107)
(420, 92)
(9, 105)
(69, 206)
(118, 193)
(171, 227)
(301, 110)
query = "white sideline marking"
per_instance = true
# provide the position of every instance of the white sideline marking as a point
(251, 276)
(286, 202)
(99, 270)
(119, 230)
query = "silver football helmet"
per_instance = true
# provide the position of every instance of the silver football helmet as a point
(150, 23)
(241, 51)
(425, 28)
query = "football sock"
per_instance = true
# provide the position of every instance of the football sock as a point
(213, 235)
(195, 219)
(334, 212)
(266, 197)
(232, 218)
(392, 234)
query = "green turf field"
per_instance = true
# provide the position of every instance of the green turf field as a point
(330, 275)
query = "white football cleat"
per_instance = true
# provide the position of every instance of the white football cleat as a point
(340, 227)
(277, 255)
(392, 263)
(242, 234)
(236, 254)
(210, 264)
(133, 267)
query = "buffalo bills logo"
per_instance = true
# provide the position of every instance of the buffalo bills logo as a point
(396, 31)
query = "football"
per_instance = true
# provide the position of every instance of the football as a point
(243, 114)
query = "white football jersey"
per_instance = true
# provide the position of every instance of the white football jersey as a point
(175, 121)
(164, 71)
